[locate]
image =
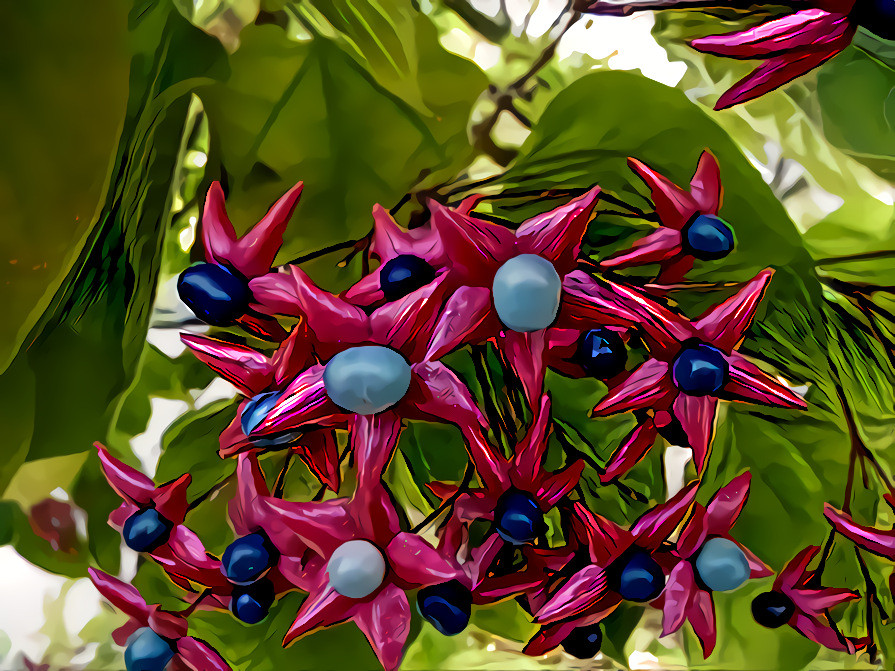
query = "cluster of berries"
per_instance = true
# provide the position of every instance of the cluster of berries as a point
(369, 360)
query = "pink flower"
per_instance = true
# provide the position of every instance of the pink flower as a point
(797, 599)
(189, 652)
(260, 379)
(358, 567)
(217, 291)
(465, 250)
(591, 594)
(686, 595)
(151, 518)
(789, 46)
(878, 541)
(688, 225)
(691, 366)
(407, 336)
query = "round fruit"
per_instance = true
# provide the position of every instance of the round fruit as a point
(722, 565)
(526, 293)
(147, 651)
(700, 370)
(367, 379)
(640, 578)
(772, 609)
(251, 603)
(601, 353)
(518, 517)
(404, 274)
(584, 642)
(215, 294)
(247, 558)
(356, 569)
(146, 530)
(446, 606)
(708, 238)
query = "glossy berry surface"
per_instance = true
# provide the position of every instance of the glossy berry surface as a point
(772, 609)
(721, 565)
(708, 237)
(356, 569)
(251, 603)
(526, 293)
(367, 379)
(640, 578)
(876, 16)
(584, 642)
(247, 558)
(518, 517)
(258, 407)
(214, 293)
(147, 651)
(404, 274)
(145, 530)
(446, 606)
(700, 370)
(601, 353)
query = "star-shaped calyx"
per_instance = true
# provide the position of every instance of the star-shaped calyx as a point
(691, 366)
(689, 226)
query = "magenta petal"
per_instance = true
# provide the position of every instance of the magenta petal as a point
(557, 485)
(658, 246)
(248, 370)
(530, 451)
(367, 290)
(587, 301)
(647, 386)
(170, 499)
(822, 633)
(789, 579)
(749, 383)
(373, 512)
(129, 483)
(119, 516)
(292, 526)
(655, 526)
(405, 324)
(556, 235)
(677, 596)
(373, 439)
(694, 533)
(578, 593)
(390, 240)
(632, 449)
(462, 315)
(724, 325)
(255, 252)
(124, 597)
(697, 417)
(549, 637)
(125, 631)
(320, 452)
(218, 236)
(475, 247)
(524, 354)
(674, 206)
(304, 401)
(200, 656)
(812, 28)
(250, 485)
(418, 564)
(186, 546)
(727, 504)
(701, 613)
(605, 539)
(324, 607)
(873, 540)
(705, 187)
(385, 622)
(440, 394)
(757, 568)
(816, 601)
(262, 326)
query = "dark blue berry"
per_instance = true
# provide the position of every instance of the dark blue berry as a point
(251, 603)
(584, 642)
(700, 370)
(256, 410)
(877, 16)
(518, 517)
(446, 606)
(145, 530)
(404, 274)
(708, 237)
(147, 651)
(601, 353)
(247, 558)
(215, 294)
(772, 609)
(640, 578)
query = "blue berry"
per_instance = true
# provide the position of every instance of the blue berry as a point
(247, 558)
(700, 370)
(446, 606)
(147, 651)
(215, 294)
(145, 530)
(601, 353)
(708, 238)
(518, 517)
(404, 274)
(366, 379)
(877, 16)
(639, 578)
(258, 407)
(772, 609)
(721, 565)
(584, 642)
(526, 293)
(251, 603)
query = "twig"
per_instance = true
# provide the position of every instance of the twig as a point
(448, 502)
(186, 612)
(280, 482)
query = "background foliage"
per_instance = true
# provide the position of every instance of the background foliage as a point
(115, 130)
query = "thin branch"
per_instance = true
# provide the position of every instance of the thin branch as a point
(280, 482)
(448, 502)
(347, 244)
(872, 599)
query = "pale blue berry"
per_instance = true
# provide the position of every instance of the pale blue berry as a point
(526, 293)
(367, 379)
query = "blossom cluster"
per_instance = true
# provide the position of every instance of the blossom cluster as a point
(371, 359)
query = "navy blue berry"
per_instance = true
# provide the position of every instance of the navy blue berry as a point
(247, 558)
(584, 642)
(216, 294)
(251, 603)
(639, 578)
(146, 530)
(446, 606)
(518, 517)
(772, 609)
(601, 353)
(700, 370)
(404, 274)
(147, 651)
(708, 238)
